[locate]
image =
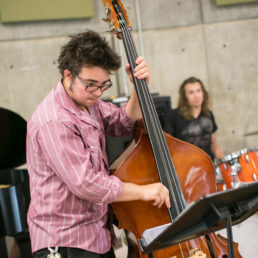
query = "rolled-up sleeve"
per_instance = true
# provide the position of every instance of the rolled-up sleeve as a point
(115, 119)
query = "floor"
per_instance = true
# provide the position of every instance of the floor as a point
(246, 234)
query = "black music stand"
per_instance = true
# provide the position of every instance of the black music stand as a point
(210, 213)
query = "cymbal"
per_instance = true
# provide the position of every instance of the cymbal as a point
(252, 133)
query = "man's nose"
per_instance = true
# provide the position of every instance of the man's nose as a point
(98, 92)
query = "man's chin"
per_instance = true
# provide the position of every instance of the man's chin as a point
(90, 103)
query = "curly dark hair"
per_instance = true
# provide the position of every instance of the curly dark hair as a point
(183, 106)
(87, 49)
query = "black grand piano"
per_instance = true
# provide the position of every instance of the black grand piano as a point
(14, 183)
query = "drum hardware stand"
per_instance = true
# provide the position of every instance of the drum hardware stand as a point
(208, 214)
(236, 167)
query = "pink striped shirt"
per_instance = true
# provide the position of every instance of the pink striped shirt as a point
(68, 169)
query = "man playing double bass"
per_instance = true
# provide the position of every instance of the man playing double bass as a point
(70, 182)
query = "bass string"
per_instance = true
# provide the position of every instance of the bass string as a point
(143, 94)
(150, 112)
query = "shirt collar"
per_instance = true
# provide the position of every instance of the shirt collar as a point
(68, 104)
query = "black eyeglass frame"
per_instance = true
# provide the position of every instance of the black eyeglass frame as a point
(91, 86)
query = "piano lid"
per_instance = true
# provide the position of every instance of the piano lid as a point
(12, 139)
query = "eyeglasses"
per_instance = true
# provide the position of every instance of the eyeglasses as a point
(92, 86)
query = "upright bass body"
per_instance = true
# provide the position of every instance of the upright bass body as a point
(196, 174)
(186, 171)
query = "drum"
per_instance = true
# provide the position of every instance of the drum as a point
(221, 186)
(239, 167)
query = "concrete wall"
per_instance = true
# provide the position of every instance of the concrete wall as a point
(180, 39)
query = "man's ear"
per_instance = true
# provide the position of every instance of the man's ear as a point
(67, 75)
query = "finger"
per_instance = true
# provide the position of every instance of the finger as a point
(167, 202)
(143, 74)
(140, 66)
(165, 196)
(156, 202)
(146, 77)
(140, 63)
(143, 69)
(129, 73)
(127, 68)
(139, 59)
(161, 203)
(159, 197)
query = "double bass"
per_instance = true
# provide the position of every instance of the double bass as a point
(184, 169)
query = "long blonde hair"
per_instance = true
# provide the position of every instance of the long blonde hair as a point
(183, 105)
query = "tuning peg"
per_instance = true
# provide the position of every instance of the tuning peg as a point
(112, 29)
